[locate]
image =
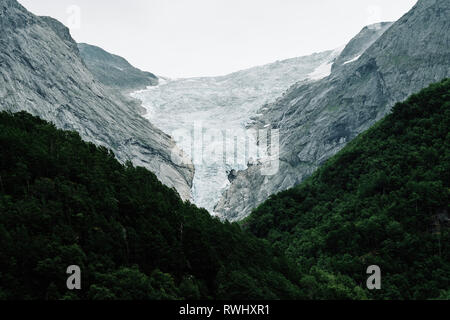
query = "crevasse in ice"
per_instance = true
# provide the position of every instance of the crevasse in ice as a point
(208, 116)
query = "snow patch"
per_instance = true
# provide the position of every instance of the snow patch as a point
(324, 70)
(353, 60)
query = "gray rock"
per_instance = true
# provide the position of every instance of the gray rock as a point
(42, 72)
(361, 42)
(115, 71)
(317, 119)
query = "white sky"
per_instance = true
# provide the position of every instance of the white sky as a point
(185, 38)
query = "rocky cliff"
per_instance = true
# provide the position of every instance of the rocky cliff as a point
(360, 43)
(316, 119)
(42, 72)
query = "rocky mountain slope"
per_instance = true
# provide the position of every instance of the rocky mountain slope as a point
(42, 72)
(223, 103)
(360, 43)
(115, 71)
(316, 119)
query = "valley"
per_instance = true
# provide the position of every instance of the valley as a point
(189, 109)
(320, 177)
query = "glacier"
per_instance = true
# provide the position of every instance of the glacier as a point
(207, 115)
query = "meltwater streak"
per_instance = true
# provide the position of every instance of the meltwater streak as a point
(221, 106)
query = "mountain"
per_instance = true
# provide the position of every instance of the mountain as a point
(223, 104)
(41, 72)
(114, 71)
(361, 42)
(66, 202)
(316, 119)
(383, 200)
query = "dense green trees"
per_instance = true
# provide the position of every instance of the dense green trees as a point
(383, 200)
(66, 202)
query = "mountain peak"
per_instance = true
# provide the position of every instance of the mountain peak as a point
(61, 31)
(115, 71)
(361, 42)
(317, 119)
(42, 73)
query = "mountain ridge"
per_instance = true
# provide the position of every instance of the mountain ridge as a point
(317, 119)
(42, 72)
(115, 71)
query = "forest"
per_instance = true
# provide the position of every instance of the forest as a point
(383, 200)
(66, 202)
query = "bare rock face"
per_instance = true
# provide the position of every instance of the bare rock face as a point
(42, 72)
(360, 43)
(317, 119)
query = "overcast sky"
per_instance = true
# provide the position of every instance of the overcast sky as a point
(185, 38)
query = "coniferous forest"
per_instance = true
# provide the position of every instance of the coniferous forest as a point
(383, 200)
(67, 202)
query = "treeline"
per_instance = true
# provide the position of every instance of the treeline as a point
(383, 200)
(67, 202)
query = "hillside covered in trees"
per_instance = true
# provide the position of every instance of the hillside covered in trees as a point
(383, 200)
(67, 202)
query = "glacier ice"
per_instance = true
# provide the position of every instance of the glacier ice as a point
(208, 114)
